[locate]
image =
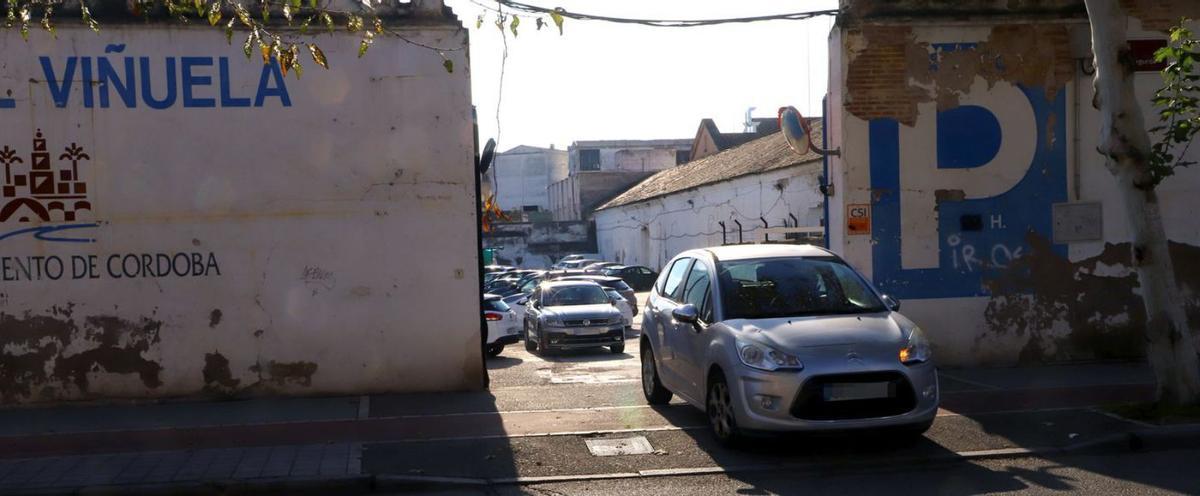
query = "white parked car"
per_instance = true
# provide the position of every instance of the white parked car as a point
(624, 306)
(503, 327)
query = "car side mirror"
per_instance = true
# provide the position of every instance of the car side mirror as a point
(892, 303)
(686, 314)
(523, 301)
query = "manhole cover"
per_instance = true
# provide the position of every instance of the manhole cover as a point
(625, 446)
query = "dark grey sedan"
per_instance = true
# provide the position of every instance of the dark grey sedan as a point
(572, 314)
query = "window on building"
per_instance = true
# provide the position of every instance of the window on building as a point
(589, 160)
(530, 208)
(682, 156)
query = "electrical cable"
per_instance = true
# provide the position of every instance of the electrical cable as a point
(674, 23)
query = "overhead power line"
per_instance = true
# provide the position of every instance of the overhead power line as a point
(666, 23)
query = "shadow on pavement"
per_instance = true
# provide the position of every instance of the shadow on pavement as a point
(584, 355)
(503, 362)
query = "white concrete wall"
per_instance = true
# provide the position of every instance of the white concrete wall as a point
(1007, 292)
(651, 232)
(524, 178)
(328, 239)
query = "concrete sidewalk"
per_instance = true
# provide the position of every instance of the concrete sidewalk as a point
(506, 434)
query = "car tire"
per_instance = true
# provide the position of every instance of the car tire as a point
(617, 349)
(493, 350)
(652, 388)
(530, 345)
(542, 344)
(719, 409)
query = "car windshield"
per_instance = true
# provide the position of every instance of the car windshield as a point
(793, 287)
(575, 295)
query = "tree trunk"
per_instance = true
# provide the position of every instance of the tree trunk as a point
(1126, 145)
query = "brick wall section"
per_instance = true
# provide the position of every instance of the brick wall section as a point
(877, 77)
(1161, 15)
(887, 60)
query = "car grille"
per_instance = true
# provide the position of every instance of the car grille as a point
(810, 404)
(558, 338)
(591, 322)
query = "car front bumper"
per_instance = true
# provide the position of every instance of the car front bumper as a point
(796, 401)
(507, 340)
(569, 338)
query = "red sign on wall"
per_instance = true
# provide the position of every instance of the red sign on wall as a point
(1143, 54)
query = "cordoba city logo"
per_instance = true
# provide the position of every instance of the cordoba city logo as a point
(39, 193)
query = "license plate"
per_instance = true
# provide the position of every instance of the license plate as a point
(857, 391)
(588, 331)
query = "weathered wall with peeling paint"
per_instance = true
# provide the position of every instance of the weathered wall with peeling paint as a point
(228, 230)
(962, 133)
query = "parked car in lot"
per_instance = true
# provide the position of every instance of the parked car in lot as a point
(638, 277)
(503, 327)
(572, 314)
(578, 264)
(598, 267)
(573, 257)
(609, 283)
(624, 306)
(784, 338)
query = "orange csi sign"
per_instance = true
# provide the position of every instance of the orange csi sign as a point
(858, 218)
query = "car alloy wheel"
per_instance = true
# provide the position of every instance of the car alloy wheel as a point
(648, 372)
(720, 412)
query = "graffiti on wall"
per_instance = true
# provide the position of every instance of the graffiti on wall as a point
(956, 195)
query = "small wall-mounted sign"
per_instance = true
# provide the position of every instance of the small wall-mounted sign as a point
(858, 218)
(1143, 55)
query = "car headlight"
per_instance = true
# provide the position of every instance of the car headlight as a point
(917, 349)
(554, 321)
(764, 357)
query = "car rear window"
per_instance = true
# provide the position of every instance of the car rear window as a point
(496, 305)
(620, 286)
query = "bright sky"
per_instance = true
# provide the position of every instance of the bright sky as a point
(602, 80)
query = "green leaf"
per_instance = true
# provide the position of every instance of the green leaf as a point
(368, 38)
(557, 17)
(214, 13)
(46, 14)
(296, 4)
(87, 17)
(266, 12)
(516, 21)
(229, 32)
(328, 20)
(378, 26)
(448, 65)
(354, 24)
(248, 47)
(287, 12)
(243, 15)
(479, 21)
(304, 25)
(317, 55)
(312, 4)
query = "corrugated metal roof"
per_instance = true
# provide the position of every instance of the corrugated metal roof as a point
(761, 155)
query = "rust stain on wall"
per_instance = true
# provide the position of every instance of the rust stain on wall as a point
(1094, 299)
(37, 354)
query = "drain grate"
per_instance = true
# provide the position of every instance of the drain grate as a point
(624, 446)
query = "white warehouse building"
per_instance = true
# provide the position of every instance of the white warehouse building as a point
(703, 202)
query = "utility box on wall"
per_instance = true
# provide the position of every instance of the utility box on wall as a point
(177, 220)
